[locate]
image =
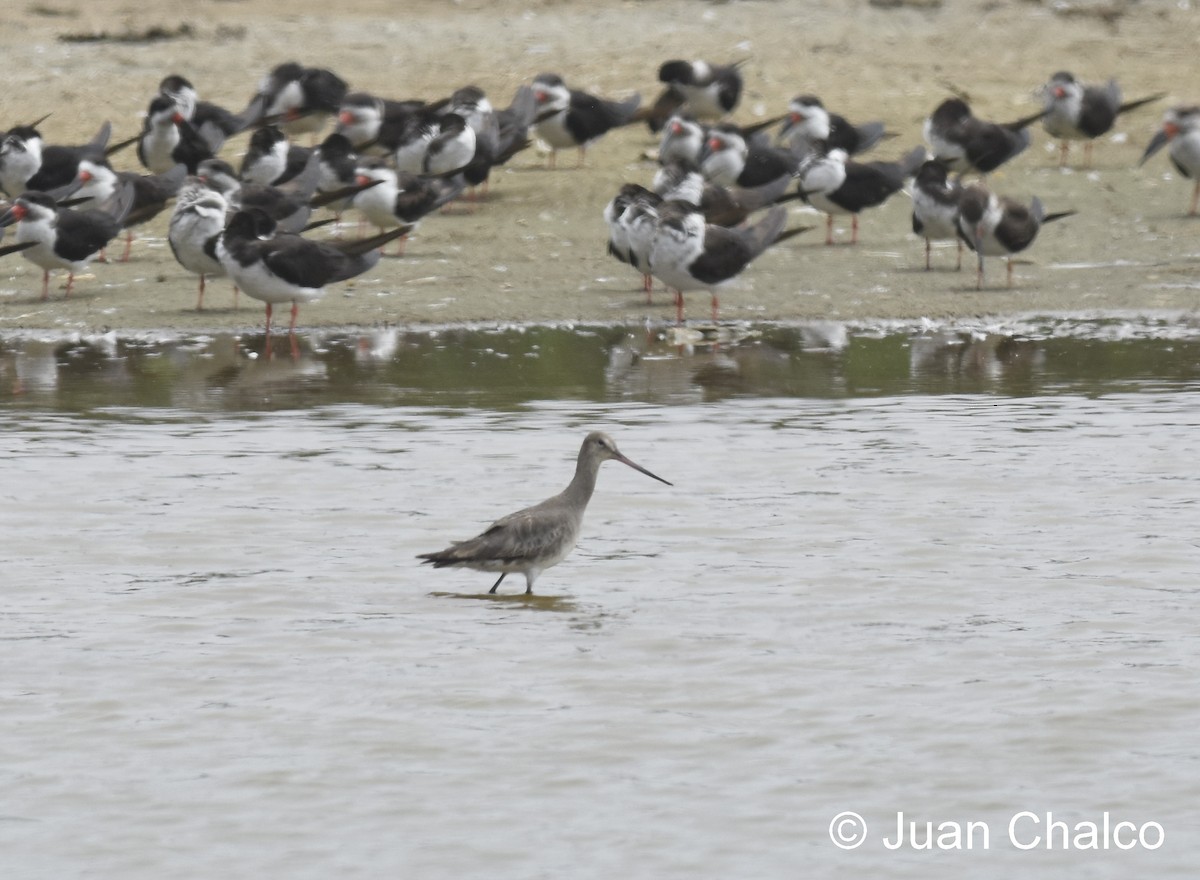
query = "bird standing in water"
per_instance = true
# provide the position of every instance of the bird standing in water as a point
(538, 537)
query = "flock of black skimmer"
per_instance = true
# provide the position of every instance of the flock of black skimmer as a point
(716, 202)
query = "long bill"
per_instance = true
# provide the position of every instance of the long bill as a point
(637, 467)
(1157, 143)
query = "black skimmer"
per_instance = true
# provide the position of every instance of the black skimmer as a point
(967, 143)
(1181, 129)
(679, 179)
(639, 221)
(219, 175)
(452, 148)
(472, 104)
(572, 118)
(619, 217)
(201, 114)
(279, 267)
(65, 239)
(389, 199)
(374, 125)
(730, 159)
(298, 99)
(935, 207)
(682, 141)
(993, 225)
(535, 538)
(168, 139)
(417, 133)
(705, 90)
(289, 205)
(196, 223)
(1078, 112)
(339, 167)
(435, 141)
(151, 192)
(28, 163)
(722, 205)
(499, 134)
(808, 124)
(689, 254)
(835, 184)
(271, 159)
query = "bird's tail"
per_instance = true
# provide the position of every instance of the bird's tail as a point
(623, 112)
(365, 245)
(766, 231)
(120, 202)
(871, 133)
(1038, 211)
(748, 131)
(1025, 121)
(1058, 215)
(792, 233)
(1133, 105)
(911, 161)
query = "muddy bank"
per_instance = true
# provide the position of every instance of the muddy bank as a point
(534, 251)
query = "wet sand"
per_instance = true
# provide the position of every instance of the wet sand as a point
(535, 250)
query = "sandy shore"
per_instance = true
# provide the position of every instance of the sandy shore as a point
(535, 251)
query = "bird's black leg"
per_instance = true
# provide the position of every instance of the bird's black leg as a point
(493, 589)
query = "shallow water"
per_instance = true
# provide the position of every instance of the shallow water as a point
(945, 571)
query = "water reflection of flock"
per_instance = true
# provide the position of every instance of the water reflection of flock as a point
(228, 372)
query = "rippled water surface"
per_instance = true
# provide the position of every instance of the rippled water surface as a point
(949, 573)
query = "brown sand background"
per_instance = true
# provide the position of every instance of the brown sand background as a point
(535, 251)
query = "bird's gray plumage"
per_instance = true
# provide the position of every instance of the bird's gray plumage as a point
(535, 538)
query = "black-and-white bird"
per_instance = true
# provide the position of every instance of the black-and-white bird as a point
(1181, 129)
(621, 233)
(572, 118)
(639, 222)
(808, 125)
(151, 192)
(1078, 112)
(705, 90)
(298, 99)
(168, 139)
(196, 223)
(279, 267)
(452, 148)
(535, 538)
(722, 205)
(64, 238)
(374, 125)
(967, 143)
(27, 162)
(835, 184)
(290, 205)
(418, 132)
(993, 225)
(935, 207)
(389, 199)
(338, 163)
(730, 159)
(689, 254)
(682, 141)
(271, 158)
(499, 134)
(201, 114)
